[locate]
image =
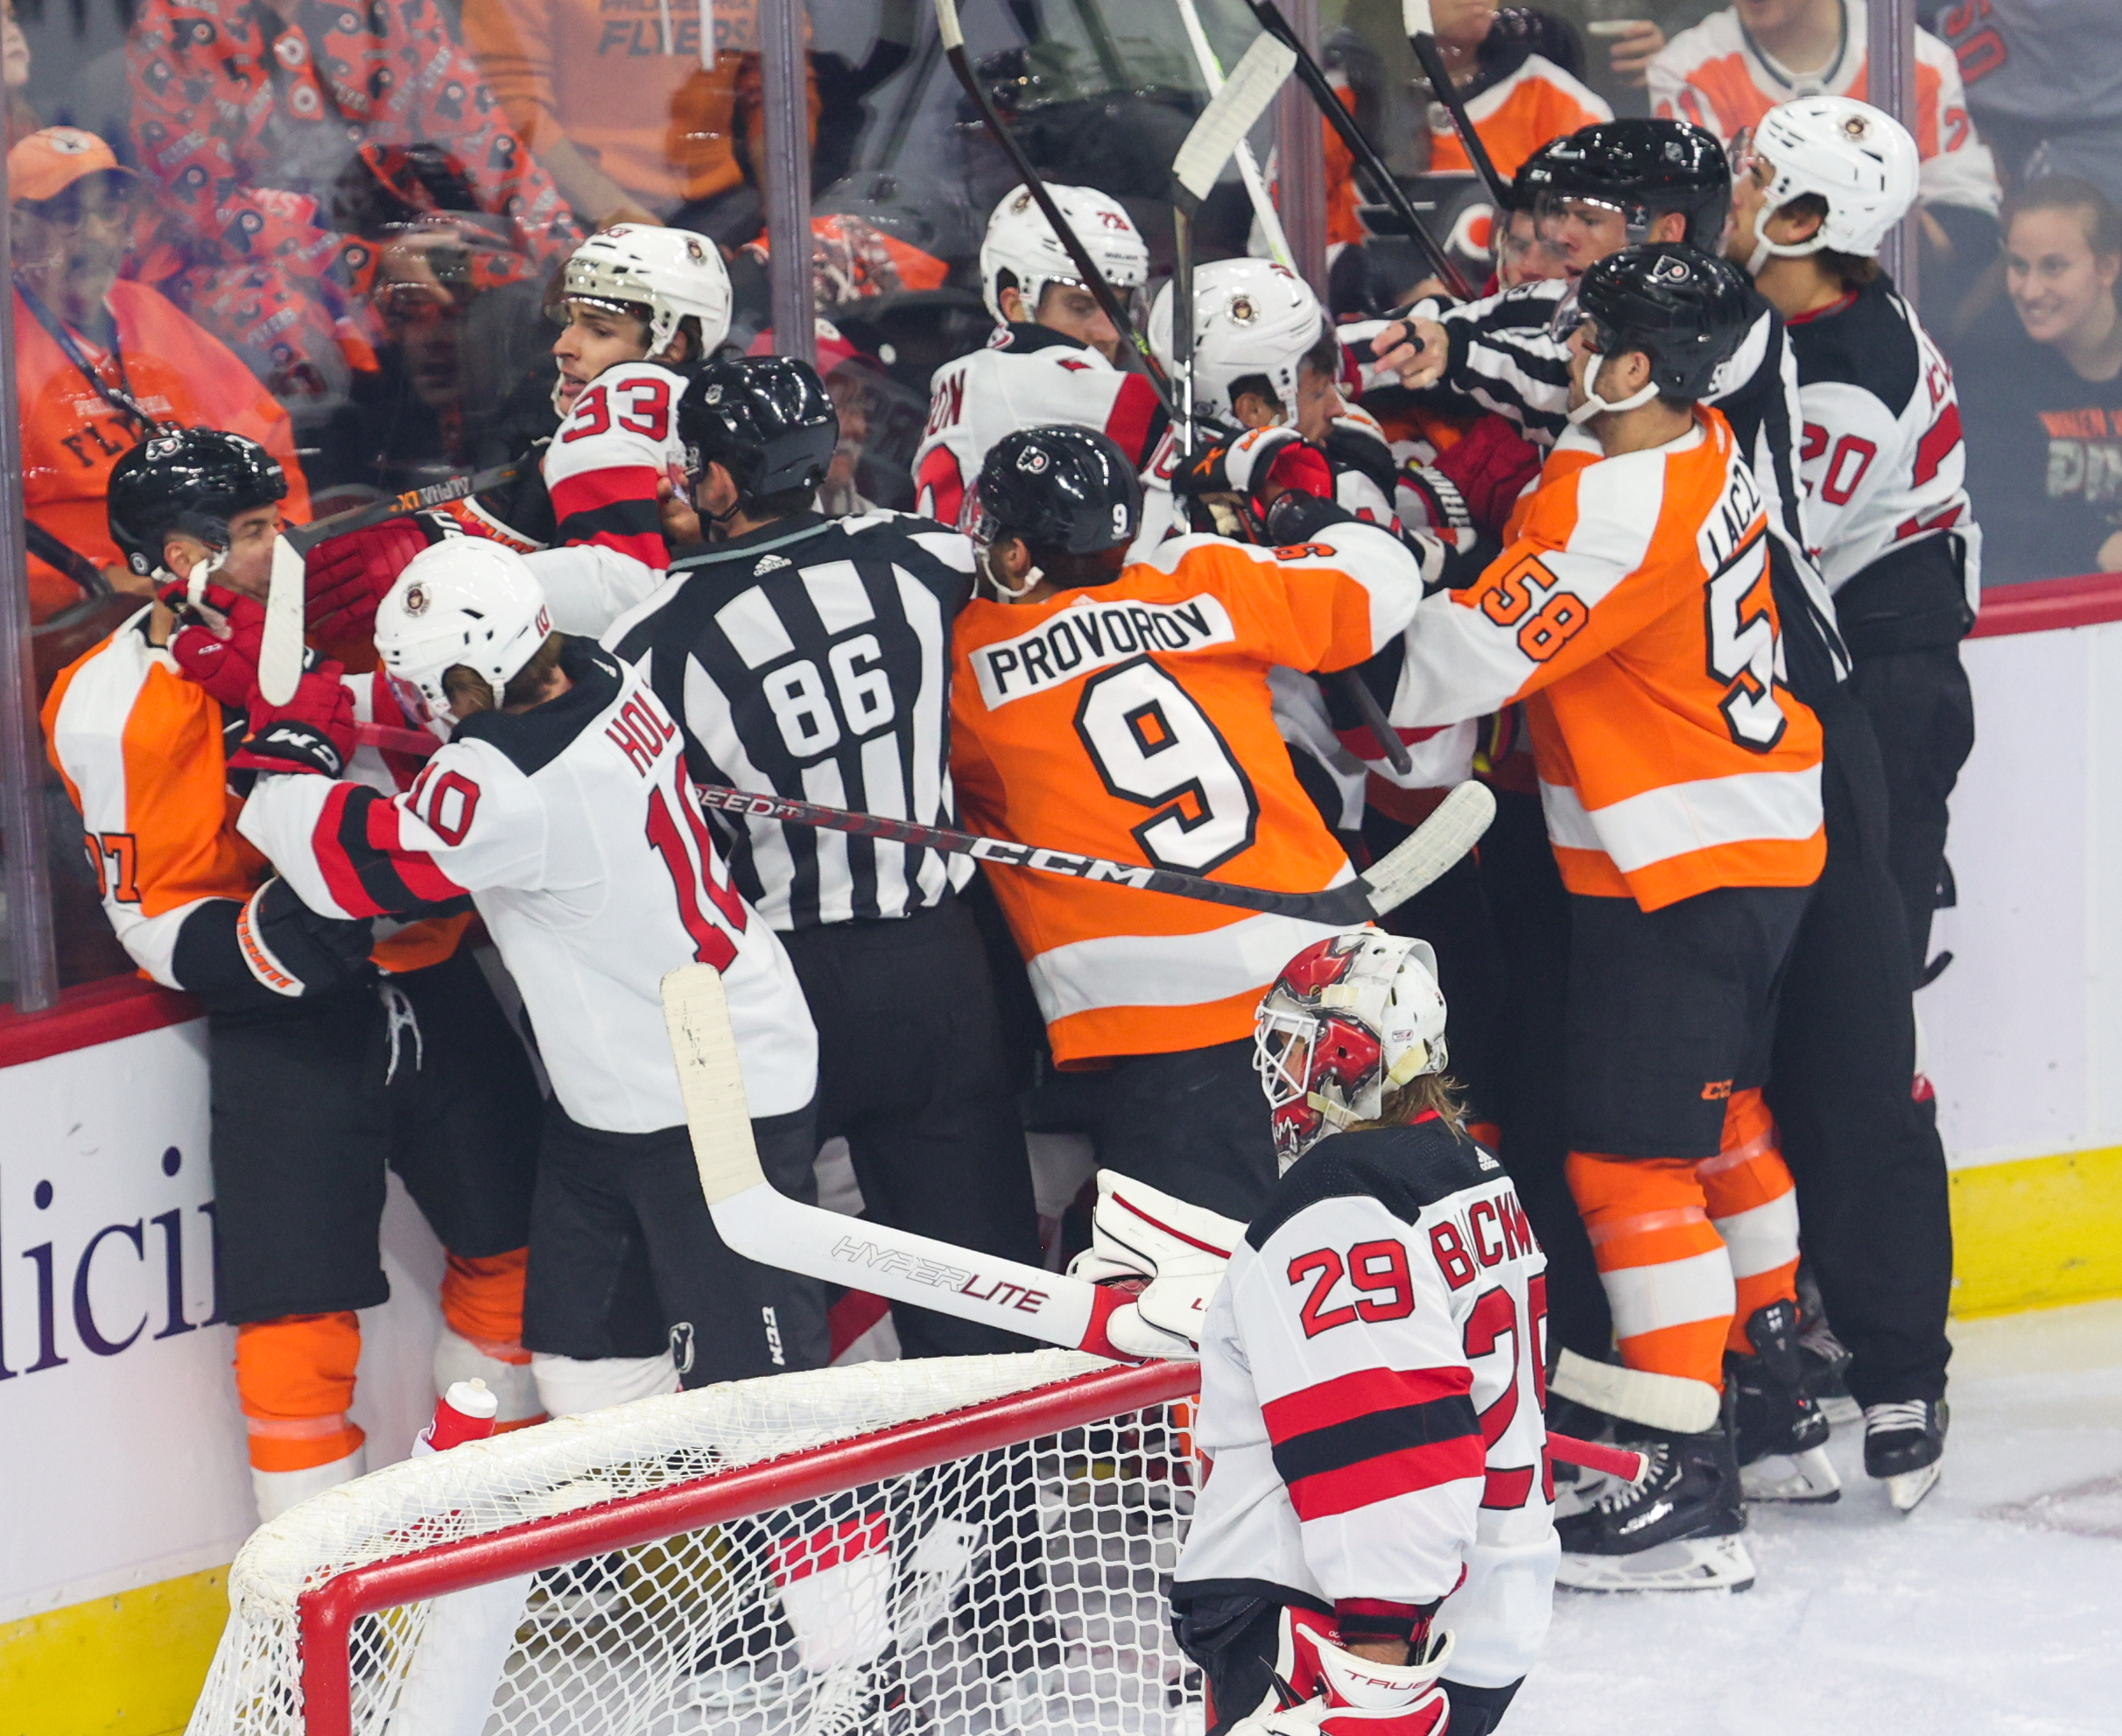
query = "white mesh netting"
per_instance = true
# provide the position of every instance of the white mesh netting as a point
(1021, 1589)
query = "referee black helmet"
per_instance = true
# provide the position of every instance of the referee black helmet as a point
(766, 419)
(1644, 168)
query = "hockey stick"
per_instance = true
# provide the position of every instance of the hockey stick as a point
(280, 647)
(1420, 29)
(1248, 166)
(1417, 861)
(759, 1222)
(1361, 148)
(1094, 279)
(71, 561)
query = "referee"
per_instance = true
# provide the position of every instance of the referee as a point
(810, 657)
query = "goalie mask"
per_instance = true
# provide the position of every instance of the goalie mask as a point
(661, 275)
(1021, 241)
(464, 601)
(1252, 320)
(1349, 1019)
(1859, 158)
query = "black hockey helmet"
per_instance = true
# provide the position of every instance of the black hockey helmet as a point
(1645, 168)
(1536, 176)
(1063, 489)
(1688, 310)
(767, 420)
(191, 481)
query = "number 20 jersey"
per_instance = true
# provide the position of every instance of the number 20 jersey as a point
(1132, 721)
(1373, 1398)
(573, 828)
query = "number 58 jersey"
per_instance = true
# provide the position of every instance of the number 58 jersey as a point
(1372, 1398)
(1132, 721)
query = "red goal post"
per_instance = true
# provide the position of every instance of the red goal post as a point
(356, 1570)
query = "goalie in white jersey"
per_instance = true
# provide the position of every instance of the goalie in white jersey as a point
(560, 803)
(1055, 356)
(1376, 1527)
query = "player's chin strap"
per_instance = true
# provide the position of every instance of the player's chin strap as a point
(983, 557)
(1596, 405)
(1765, 249)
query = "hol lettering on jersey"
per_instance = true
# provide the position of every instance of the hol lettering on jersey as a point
(1091, 636)
(640, 731)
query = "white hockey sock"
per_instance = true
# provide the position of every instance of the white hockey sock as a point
(277, 1491)
(457, 1358)
(568, 1386)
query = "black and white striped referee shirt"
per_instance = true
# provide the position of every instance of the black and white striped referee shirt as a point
(811, 659)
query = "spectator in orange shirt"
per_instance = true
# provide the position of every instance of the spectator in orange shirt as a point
(100, 361)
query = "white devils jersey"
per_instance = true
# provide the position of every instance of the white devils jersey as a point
(601, 470)
(1880, 456)
(574, 830)
(1373, 1398)
(1026, 378)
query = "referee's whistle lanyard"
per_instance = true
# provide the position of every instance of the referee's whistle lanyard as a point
(119, 397)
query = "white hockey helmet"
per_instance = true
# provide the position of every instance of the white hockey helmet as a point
(669, 272)
(1349, 1018)
(1251, 316)
(1859, 158)
(464, 600)
(1021, 241)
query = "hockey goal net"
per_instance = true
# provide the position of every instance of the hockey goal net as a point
(968, 1546)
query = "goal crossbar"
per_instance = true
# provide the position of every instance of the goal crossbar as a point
(326, 1613)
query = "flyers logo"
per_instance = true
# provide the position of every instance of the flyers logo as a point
(1304, 552)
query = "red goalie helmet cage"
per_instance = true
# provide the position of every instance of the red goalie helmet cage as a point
(947, 1547)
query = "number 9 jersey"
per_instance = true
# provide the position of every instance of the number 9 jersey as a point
(1131, 720)
(1372, 1399)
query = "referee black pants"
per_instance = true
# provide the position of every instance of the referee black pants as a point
(1869, 1167)
(911, 1073)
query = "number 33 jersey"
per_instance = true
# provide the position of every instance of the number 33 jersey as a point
(574, 830)
(1372, 1398)
(1131, 720)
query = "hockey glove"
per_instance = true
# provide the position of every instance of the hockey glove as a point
(1490, 468)
(291, 951)
(1137, 1233)
(217, 643)
(347, 578)
(1255, 469)
(1354, 1696)
(314, 731)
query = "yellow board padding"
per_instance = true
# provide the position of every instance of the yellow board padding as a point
(132, 1663)
(2037, 1233)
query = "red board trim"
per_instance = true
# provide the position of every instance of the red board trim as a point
(96, 1012)
(2047, 605)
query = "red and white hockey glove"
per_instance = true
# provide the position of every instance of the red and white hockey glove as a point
(314, 731)
(217, 645)
(347, 578)
(1490, 468)
(1354, 1696)
(1138, 1234)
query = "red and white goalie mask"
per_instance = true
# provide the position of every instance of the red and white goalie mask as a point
(1349, 1019)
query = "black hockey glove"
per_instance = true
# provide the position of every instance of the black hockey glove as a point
(268, 951)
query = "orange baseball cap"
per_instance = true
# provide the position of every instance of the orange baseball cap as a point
(45, 164)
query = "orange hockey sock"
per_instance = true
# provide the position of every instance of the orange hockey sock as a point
(1754, 1206)
(482, 1299)
(294, 1377)
(1667, 1275)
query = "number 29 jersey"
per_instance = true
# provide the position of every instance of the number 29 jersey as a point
(1131, 720)
(1373, 1398)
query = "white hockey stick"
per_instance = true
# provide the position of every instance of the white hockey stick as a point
(1248, 164)
(280, 646)
(1232, 113)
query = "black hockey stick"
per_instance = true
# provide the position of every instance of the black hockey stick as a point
(1421, 38)
(69, 560)
(303, 538)
(1094, 279)
(1361, 148)
(1403, 871)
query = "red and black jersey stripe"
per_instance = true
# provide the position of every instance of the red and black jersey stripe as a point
(1367, 1436)
(616, 507)
(371, 872)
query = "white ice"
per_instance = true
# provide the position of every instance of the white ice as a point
(1994, 1609)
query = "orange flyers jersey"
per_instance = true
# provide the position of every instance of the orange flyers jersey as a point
(142, 752)
(72, 435)
(1633, 614)
(1715, 76)
(1132, 721)
(1517, 115)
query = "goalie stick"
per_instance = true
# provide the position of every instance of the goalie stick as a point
(762, 1224)
(1414, 862)
(1421, 29)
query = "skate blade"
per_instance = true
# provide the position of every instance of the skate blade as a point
(1687, 1564)
(1910, 1487)
(1805, 1478)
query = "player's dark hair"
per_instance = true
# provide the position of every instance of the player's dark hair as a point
(468, 688)
(2103, 223)
(1067, 571)
(1262, 388)
(1851, 271)
(1432, 1093)
(1325, 358)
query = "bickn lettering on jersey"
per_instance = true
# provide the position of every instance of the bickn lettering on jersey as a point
(1091, 636)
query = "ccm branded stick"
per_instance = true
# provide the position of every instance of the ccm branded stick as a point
(761, 1223)
(1417, 861)
(280, 647)
(1366, 153)
(1420, 29)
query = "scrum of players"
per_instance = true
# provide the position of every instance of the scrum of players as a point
(1654, 544)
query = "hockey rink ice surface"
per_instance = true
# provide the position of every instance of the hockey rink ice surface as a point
(1996, 1606)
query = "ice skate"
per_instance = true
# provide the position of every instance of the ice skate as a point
(1827, 1365)
(861, 1699)
(1782, 1434)
(1675, 1530)
(1903, 1446)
